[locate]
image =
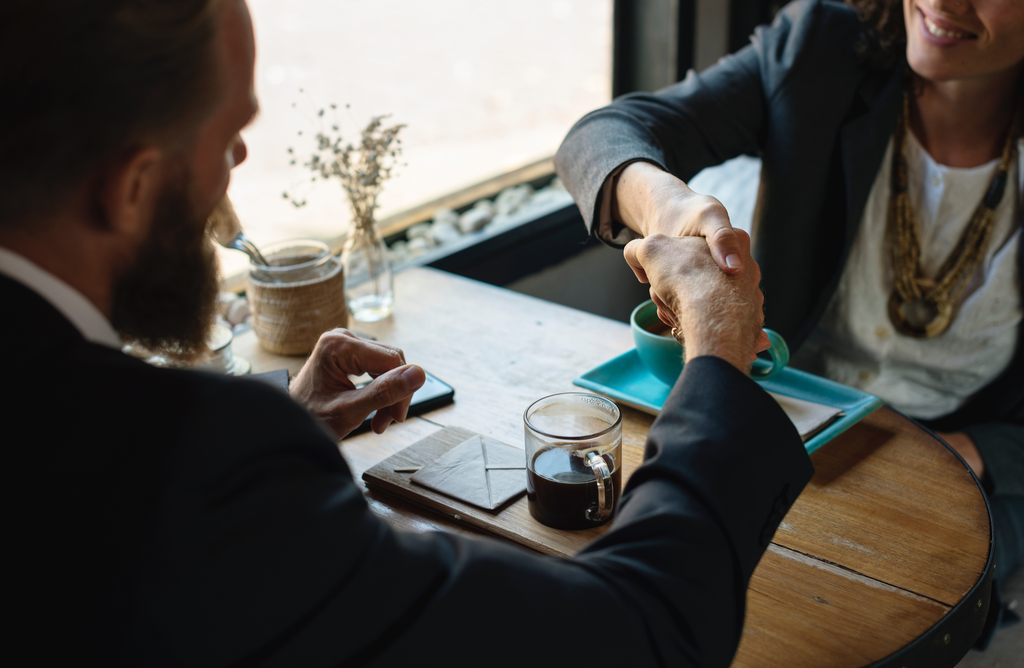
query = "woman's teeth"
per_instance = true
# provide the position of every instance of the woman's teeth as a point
(939, 32)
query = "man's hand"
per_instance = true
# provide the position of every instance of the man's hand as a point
(651, 201)
(324, 388)
(718, 314)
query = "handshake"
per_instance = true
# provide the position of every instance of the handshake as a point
(717, 313)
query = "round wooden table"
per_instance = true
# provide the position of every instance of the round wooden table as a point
(890, 541)
(884, 559)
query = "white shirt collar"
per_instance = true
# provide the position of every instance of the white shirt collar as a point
(86, 318)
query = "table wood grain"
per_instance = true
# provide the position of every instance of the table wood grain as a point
(891, 533)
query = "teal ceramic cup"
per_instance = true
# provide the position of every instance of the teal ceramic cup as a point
(663, 356)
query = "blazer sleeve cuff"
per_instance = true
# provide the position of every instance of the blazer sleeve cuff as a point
(598, 145)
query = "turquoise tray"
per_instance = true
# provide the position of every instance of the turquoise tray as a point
(626, 379)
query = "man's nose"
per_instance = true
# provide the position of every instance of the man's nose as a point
(239, 151)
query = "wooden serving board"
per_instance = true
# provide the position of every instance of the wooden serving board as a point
(512, 521)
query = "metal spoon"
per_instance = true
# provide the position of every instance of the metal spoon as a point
(244, 244)
(227, 230)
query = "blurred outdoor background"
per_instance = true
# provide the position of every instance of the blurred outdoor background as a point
(485, 86)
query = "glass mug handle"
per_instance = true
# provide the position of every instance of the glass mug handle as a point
(605, 489)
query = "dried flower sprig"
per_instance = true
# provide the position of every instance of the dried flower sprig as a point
(362, 169)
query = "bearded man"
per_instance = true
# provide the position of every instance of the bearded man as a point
(171, 517)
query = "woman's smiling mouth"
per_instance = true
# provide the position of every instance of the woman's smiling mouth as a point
(943, 31)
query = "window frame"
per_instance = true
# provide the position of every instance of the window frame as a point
(648, 52)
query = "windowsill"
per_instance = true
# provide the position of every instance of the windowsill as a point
(394, 226)
(515, 221)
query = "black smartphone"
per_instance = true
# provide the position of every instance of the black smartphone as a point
(434, 394)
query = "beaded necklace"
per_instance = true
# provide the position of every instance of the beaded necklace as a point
(920, 306)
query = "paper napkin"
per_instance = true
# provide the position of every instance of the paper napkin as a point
(809, 418)
(481, 471)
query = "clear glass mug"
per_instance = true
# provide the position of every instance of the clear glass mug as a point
(573, 460)
(295, 261)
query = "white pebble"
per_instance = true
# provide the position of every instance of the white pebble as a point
(444, 233)
(512, 199)
(418, 231)
(238, 310)
(548, 196)
(475, 219)
(418, 246)
(485, 204)
(446, 216)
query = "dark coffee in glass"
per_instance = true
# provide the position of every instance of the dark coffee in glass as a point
(561, 488)
(573, 458)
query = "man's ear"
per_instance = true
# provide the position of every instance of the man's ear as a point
(130, 190)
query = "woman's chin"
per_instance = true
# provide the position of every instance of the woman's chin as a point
(934, 66)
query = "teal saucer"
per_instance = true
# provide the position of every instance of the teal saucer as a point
(627, 380)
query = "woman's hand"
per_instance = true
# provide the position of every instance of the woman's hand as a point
(324, 388)
(651, 201)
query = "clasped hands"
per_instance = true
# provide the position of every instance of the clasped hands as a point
(702, 276)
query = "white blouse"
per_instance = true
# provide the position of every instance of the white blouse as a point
(855, 343)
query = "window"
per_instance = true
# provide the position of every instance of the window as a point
(484, 86)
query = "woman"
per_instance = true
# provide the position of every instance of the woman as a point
(889, 215)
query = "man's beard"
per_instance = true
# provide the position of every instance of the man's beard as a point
(166, 301)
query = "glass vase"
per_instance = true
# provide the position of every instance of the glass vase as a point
(369, 287)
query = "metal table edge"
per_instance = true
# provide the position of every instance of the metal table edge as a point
(949, 640)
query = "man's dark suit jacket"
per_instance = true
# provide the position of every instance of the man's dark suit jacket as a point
(168, 517)
(820, 118)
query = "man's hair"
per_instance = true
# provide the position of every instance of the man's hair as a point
(84, 82)
(885, 37)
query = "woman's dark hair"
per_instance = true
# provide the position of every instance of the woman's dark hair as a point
(885, 35)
